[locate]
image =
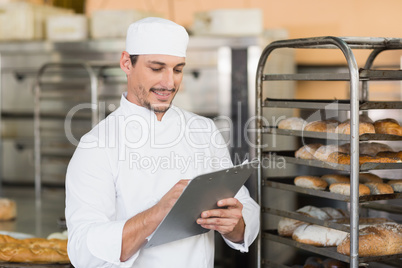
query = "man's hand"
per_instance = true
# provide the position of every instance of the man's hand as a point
(227, 220)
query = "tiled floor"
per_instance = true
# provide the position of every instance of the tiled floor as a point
(38, 218)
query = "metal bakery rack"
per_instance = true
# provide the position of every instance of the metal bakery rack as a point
(357, 80)
(70, 98)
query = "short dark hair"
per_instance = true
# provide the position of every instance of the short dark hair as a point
(133, 59)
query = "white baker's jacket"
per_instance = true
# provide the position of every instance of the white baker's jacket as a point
(123, 166)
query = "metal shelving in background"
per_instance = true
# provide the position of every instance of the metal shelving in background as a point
(358, 80)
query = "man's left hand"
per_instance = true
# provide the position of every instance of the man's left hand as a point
(227, 219)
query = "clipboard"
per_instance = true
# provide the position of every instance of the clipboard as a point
(202, 193)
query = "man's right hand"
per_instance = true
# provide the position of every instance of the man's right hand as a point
(169, 199)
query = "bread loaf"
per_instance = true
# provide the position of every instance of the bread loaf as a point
(33, 250)
(316, 235)
(369, 177)
(292, 123)
(373, 148)
(8, 209)
(364, 128)
(396, 185)
(334, 178)
(286, 226)
(344, 189)
(379, 188)
(321, 126)
(388, 126)
(324, 151)
(334, 214)
(376, 240)
(307, 151)
(344, 158)
(311, 182)
(389, 154)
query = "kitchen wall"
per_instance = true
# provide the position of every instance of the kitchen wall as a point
(301, 18)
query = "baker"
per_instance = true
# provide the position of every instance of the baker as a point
(129, 170)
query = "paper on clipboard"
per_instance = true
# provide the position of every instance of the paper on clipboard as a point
(202, 193)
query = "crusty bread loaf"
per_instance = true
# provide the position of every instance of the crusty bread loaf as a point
(311, 182)
(388, 126)
(373, 148)
(317, 235)
(344, 158)
(364, 222)
(334, 178)
(369, 177)
(33, 250)
(324, 151)
(8, 209)
(334, 213)
(389, 154)
(292, 123)
(379, 188)
(286, 226)
(307, 151)
(396, 185)
(364, 128)
(376, 240)
(25, 253)
(321, 126)
(344, 189)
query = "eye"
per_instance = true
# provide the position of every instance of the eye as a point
(156, 69)
(178, 70)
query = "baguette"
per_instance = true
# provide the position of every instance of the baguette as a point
(311, 182)
(33, 250)
(292, 123)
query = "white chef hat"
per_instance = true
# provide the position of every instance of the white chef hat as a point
(156, 36)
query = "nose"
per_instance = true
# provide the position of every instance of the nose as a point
(168, 79)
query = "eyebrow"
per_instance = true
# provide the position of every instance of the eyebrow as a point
(164, 64)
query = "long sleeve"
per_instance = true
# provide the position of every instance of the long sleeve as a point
(95, 236)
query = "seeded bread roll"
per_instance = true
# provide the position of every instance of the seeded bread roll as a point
(292, 123)
(311, 182)
(344, 188)
(317, 235)
(307, 151)
(369, 177)
(321, 126)
(334, 178)
(376, 240)
(286, 226)
(364, 128)
(8, 209)
(379, 188)
(388, 126)
(396, 185)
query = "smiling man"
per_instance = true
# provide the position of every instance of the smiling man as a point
(127, 172)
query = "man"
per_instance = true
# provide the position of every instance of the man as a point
(129, 170)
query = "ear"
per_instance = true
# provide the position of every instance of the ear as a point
(125, 62)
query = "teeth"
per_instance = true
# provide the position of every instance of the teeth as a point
(160, 94)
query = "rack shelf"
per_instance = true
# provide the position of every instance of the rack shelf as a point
(358, 79)
(278, 156)
(325, 251)
(340, 105)
(286, 185)
(330, 136)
